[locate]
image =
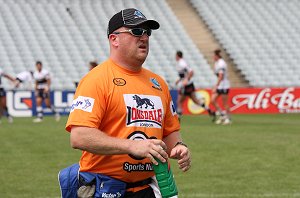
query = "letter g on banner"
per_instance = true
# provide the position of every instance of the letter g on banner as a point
(19, 103)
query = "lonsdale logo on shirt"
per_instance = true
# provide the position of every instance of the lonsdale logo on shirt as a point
(143, 110)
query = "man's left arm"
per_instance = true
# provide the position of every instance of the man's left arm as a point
(178, 150)
(48, 85)
(188, 76)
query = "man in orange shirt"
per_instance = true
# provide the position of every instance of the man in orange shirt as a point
(122, 116)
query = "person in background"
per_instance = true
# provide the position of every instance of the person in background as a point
(3, 106)
(42, 92)
(92, 65)
(26, 78)
(221, 88)
(186, 85)
(122, 115)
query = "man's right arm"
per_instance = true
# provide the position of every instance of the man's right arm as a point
(8, 77)
(97, 142)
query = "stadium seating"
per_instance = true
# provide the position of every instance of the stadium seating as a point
(67, 34)
(262, 37)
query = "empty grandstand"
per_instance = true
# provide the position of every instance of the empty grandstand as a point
(261, 38)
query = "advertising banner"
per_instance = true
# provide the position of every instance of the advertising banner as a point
(22, 103)
(252, 100)
(241, 101)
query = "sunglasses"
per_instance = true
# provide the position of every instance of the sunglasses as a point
(136, 32)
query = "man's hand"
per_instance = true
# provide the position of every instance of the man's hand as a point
(16, 83)
(183, 155)
(214, 90)
(185, 82)
(151, 148)
(46, 89)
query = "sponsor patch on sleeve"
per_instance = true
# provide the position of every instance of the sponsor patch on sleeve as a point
(172, 108)
(83, 103)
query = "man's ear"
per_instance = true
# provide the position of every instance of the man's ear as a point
(114, 39)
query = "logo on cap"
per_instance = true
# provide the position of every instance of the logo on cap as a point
(138, 14)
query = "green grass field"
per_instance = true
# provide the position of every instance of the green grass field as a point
(256, 156)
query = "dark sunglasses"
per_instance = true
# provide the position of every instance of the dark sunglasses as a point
(136, 32)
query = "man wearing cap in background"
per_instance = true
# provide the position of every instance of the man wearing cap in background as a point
(122, 116)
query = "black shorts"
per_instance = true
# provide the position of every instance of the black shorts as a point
(187, 90)
(223, 91)
(2, 92)
(145, 193)
(41, 94)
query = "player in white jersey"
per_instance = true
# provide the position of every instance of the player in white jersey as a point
(221, 88)
(26, 78)
(3, 107)
(186, 85)
(42, 91)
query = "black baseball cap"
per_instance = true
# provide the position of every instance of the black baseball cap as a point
(130, 17)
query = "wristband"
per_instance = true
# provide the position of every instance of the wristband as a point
(181, 143)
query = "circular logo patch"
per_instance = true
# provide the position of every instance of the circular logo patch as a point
(204, 97)
(119, 81)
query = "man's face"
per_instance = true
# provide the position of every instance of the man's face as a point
(216, 57)
(39, 67)
(134, 48)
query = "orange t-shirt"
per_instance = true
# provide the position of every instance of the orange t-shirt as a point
(123, 104)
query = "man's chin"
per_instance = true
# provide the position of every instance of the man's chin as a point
(141, 60)
(142, 56)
